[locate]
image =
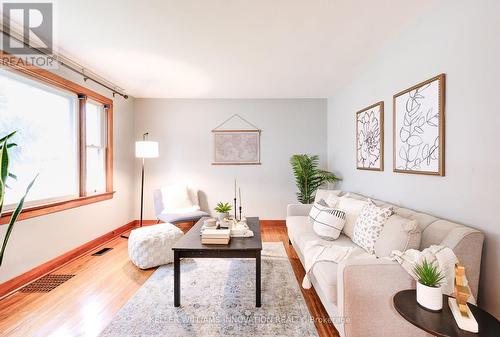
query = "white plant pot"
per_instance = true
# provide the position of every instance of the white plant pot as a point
(429, 297)
(222, 216)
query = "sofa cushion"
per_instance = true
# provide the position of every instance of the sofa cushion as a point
(325, 273)
(300, 230)
(297, 224)
(327, 222)
(352, 208)
(423, 220)
(369, 225)
(398, 234)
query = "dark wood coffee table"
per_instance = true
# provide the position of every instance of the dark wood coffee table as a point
(190, 246)
(442, 323)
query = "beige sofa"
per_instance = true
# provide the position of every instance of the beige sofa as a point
(357, 293)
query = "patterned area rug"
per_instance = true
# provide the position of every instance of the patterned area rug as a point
(218, 299)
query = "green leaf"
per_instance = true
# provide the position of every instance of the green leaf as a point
(4, 165)
(13, 219)
(308, 177)
(428, 274)
(223, 207)
(7, 137)
(4, 162)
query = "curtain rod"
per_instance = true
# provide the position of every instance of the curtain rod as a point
(66, 62)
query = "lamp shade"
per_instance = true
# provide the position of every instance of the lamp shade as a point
(146, 149)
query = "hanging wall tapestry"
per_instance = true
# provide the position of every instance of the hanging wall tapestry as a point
(370, 138)
(236, 147)
(418, 128)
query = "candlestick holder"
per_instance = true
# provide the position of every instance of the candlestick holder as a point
(240, 213)
(235, 211)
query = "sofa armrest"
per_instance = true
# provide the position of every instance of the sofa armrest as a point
(365, 288)
(298, 209)
(467, 244)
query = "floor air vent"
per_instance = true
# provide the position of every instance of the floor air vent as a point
(46, 283)
(102, 251)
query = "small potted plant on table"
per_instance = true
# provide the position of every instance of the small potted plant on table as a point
(429, 279)
(223, 210)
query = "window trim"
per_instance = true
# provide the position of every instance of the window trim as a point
(50, 78)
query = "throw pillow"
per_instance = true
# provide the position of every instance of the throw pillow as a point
(324, 194)
(369, 225)
(327, 222)
(352, 208)
(332, 200)
(175, 198)
(399, 233)
(322, 202)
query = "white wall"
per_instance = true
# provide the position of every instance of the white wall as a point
(461, 39)
(37, 240)
(183, 128)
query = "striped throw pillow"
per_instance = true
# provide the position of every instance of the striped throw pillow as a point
(327, 222)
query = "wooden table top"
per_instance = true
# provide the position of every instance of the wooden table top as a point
(191, 241)
(442, 323)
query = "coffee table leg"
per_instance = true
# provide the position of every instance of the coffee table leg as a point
(257, 279)
(177, 280)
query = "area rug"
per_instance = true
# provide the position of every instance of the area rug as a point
(218, 299)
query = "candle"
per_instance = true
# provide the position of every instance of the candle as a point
(239, 190)
(235, 188)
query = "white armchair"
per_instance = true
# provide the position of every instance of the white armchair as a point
(177, 203)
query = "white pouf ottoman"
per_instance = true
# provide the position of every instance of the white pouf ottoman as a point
(151, 246)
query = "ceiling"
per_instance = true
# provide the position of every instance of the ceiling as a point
(229, 48)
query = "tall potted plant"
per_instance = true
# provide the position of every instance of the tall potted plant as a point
(309, 177)
(4, 174)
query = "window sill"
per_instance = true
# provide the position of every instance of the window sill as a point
(39, 210)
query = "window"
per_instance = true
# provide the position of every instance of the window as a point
(64, 134)
(95, 147)
(45, 121)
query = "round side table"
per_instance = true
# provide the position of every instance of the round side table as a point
(442, 323)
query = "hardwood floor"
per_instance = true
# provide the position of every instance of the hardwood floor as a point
(86, 303)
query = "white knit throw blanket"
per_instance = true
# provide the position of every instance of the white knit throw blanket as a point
(317, 251)
(443, 257)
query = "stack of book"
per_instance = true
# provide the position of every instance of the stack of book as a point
(215, 236)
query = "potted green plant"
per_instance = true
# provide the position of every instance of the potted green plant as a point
(309, 177)
(4, 175)
(222, 209)
(429, 279)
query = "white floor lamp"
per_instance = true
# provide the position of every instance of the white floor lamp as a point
(144, 149)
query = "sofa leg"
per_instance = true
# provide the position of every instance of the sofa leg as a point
(157, 222)
(289, 242)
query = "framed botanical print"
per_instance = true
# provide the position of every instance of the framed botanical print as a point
(418, 128)
(370, 138)
(236, 147)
